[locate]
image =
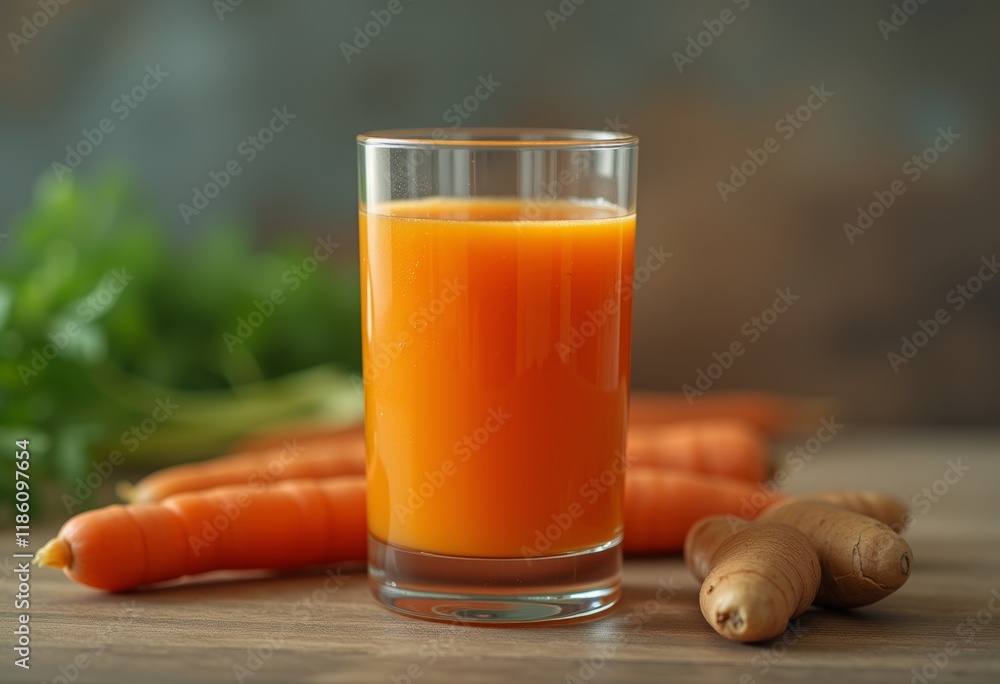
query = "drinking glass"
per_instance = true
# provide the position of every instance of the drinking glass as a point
(496, 298)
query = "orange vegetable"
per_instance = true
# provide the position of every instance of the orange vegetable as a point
(662, 505)
(288, 525)
(770, 413)
(336, 455)
(716, 447)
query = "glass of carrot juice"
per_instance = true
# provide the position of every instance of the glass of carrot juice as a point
(496, 283)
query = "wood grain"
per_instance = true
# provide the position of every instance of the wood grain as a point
(307, 628)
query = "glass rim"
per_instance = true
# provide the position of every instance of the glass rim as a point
(497, 138)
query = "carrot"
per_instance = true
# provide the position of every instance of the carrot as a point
(289, 525)
(716, 447)
(660, 506)
(772, 414)
(342, 454)
(760, 578)
(863, 560)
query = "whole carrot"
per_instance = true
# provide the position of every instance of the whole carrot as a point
(289, 525)
(730, 448)
(660, 506)
(341, 454)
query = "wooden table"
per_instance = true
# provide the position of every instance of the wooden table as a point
(307, 628)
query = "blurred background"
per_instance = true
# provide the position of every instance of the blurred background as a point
(120, 119)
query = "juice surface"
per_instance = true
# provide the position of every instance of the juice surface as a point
(496, 351)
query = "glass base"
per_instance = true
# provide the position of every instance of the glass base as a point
(495, 590)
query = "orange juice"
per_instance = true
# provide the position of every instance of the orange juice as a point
(496, 351)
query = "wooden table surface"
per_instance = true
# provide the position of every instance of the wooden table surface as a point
(943, 626)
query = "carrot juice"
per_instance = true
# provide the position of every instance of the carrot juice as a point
(496, 343)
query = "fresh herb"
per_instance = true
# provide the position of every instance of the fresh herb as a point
(107, 320)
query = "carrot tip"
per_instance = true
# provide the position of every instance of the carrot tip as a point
(55, 554)
(126, 491)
